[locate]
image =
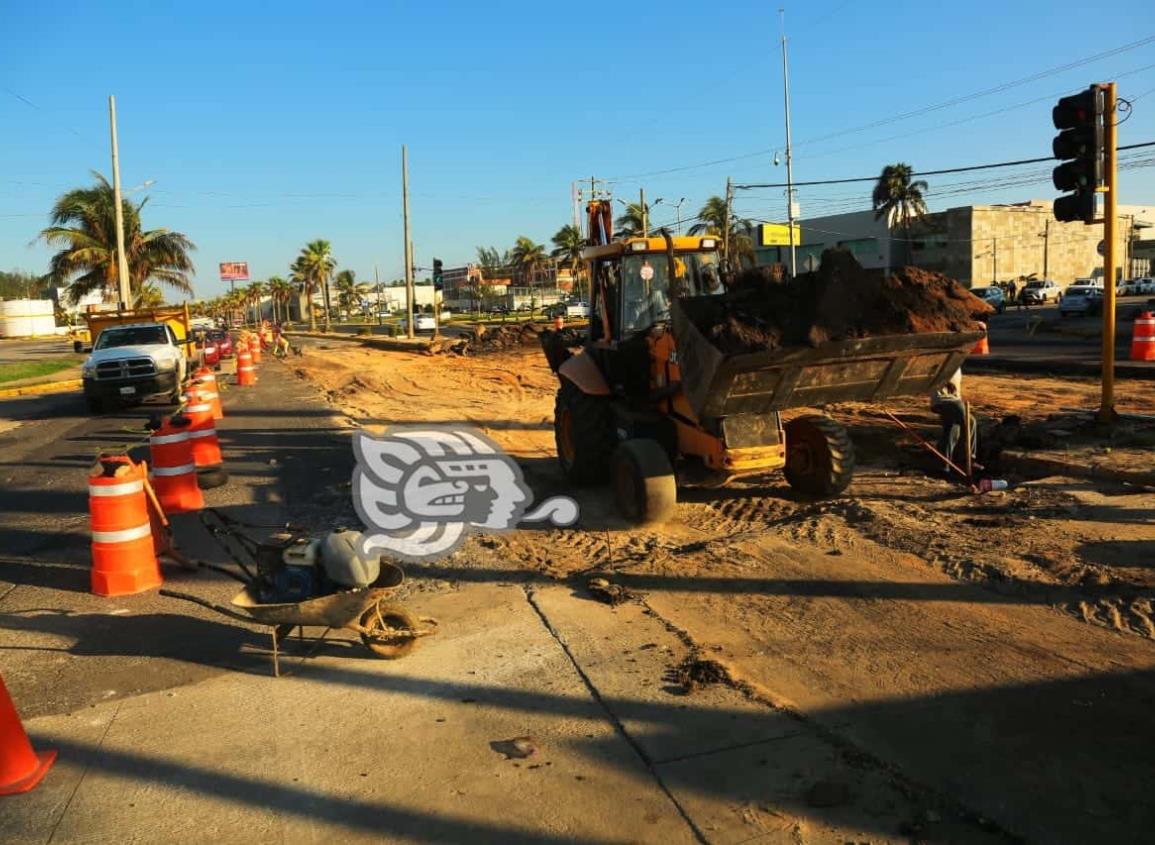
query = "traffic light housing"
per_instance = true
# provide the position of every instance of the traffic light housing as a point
(438, 278)
(1080, 145)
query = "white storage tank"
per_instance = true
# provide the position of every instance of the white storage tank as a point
(27, 318)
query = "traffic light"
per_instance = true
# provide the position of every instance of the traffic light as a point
(438, 278)
(1080, 146)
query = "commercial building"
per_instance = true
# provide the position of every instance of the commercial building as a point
(978, 244)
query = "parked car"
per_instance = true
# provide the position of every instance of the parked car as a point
(224, 342)
(1040, 292)
(1083, 300)
(577, 309)
(1143, 286)
(132, 362)
(992, 295)
(499, 309)
(421, 323)
(207, 348)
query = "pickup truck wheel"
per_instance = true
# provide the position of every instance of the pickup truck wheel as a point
(819, 456)
(77, 346)
(644, 484)
(95, 404)
(584, 432)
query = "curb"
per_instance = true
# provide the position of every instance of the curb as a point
(40, 389)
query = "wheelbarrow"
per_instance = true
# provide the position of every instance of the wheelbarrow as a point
(388, 630)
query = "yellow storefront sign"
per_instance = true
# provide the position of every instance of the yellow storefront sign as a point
(778, 234)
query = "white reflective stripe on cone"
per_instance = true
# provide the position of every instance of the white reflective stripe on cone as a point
(122, 536)
(1143, 340)
(164, 472)
(198, 409)
(124, 489)
(165, 439)
(245, 369)
(208, 432)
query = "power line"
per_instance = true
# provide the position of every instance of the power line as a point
(906, 115)
(966, 169)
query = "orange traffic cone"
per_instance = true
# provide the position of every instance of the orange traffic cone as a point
(206, 447)
(123, 556)
(982, 346)
(21, 768)
(1143, 337)
(246, 372)
(174, 473)
(255, 348)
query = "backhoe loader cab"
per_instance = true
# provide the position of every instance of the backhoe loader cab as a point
(621, 412)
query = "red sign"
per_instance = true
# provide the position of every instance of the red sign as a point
(234, 271)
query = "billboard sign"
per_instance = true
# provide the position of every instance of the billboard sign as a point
(778, 234)
(234, 271)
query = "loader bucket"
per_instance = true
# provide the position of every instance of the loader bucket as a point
(861, 370)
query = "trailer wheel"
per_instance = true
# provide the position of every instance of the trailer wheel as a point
(819, 456)
(380, 620)
(584, 432)
(644, 484)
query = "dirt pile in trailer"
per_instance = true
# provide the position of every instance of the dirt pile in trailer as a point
(841, 301)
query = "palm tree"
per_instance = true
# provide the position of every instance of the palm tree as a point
(346, 286)
(254, 295)
(568, 245)
(149, 297)
(280, 291)
(528, 257)
(84, 229)
(899, 200)
(493, 263)
(712, 221)
(711, 218)
(315, 266)
(631, 223)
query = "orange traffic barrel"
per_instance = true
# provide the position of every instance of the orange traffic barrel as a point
(1143, 337)
(21, 768)
(246, 372)
(204, 391)
(123, 555)
(174, 472)
(255, 348)
(206, 447)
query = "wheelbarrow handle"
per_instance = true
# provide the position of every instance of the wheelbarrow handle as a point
(219, 608)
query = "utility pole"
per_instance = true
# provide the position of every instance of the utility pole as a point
(678, 209)
(1111, 247)
(726, 224)
(573, 190)
(123, 282)
(789, 149)
(408, 243)
(645, 216)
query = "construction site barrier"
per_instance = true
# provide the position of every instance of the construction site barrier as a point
(174, 473)
(246, 372)
(255, 348)
(123, 551)
(21, 768)
(1143, 337)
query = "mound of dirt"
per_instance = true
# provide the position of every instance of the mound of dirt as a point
(840, 301)
(488, 339)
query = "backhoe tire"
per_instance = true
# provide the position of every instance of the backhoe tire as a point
(644, 484)
(583, 429)
(819, 456)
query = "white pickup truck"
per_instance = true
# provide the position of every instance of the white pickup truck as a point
(132, 362)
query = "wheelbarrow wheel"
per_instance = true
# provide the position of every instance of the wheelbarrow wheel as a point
(381, 620)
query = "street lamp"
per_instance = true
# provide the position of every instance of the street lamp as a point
(678, 207)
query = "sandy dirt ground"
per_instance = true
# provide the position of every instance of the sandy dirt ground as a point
(1082, 547)
(944, 633)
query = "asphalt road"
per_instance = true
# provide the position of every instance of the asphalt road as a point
(1060, 345)
(17, 351)
(288, 459)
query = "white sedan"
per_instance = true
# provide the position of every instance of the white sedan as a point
(421, 323)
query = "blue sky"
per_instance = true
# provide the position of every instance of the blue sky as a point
(265, 126)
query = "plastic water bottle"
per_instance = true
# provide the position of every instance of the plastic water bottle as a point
(986, 485)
